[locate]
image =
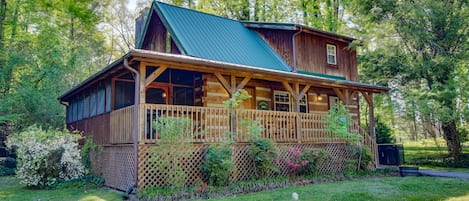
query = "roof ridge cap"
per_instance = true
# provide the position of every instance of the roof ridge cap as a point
(196, 11)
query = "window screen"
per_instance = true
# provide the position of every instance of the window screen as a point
(108, 96)
(183, 96)
(93, 97)
(101, 99)
(124, 94)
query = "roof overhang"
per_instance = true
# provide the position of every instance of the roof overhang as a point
(297, 27)
(205, 65)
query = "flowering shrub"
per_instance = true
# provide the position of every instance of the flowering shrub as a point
(45, 157)
(303, 161)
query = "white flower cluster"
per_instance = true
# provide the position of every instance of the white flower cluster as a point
(46, 156)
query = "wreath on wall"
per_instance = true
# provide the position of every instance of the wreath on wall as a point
(263, 105)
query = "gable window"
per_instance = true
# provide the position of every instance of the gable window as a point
(283, 102)
(331, 54)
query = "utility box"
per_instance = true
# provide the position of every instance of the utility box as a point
(391, 154)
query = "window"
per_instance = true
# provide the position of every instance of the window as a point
(108, 96)
(332, 101)
(183, 96)
(101, 99)
(331, 54)
(304, 105)
(283, 102)
(124, 95)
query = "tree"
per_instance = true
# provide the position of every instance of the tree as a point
(48, 47)
(432, 37)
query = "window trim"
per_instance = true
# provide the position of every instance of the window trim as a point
(290, 102)
(334, 54)
(330, 98)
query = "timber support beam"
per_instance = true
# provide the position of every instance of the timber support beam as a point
(155, 75)
(232, 87)
(345, 95)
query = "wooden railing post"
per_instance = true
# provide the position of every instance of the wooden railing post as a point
(298, 127)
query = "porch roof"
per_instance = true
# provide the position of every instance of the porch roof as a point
(210, 66)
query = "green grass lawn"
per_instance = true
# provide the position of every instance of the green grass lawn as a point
(427, 155)
(388, 188)
(11, 189)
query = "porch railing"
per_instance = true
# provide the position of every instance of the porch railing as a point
(121, 125)
(210, 125)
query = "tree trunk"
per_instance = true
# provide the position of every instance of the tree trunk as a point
(3, 13)
(452, 139)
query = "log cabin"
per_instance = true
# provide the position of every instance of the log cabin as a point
(186, 63)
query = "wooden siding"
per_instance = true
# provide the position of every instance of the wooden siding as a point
(280, 41)
(311, 53)
(96, 127)
(156, 37)
(312, 56)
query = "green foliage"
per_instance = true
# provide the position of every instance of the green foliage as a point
(43, 54)
(174, 144)
(338, 122)
(4, 171)
(421, 53)
(304, 161)
(383, 132)
(218, 164)
(264, 153)
(86, 151)
(313, 156)
(237, 98)
(45, 157)
(8, 166)
(361, 159)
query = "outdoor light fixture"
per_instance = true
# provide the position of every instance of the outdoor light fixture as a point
(163, 95)
(319, 97)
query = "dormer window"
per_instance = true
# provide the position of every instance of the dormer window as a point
(331, 54)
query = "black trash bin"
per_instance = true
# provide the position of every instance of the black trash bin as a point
(391, 154)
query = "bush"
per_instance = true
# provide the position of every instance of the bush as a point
(173, 146)
(383, 132)
(4, 171)
(362, 157)
(218, 165)
(10, 163)
(46, 157)
(304, 161)
(263, 152)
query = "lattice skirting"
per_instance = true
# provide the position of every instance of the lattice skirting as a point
(116, 165)
(149, 176)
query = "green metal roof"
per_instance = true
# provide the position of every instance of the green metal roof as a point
(216, 38)
(321, 75)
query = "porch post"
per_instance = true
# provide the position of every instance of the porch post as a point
(369, 99)
(231, 88)
(141, 102)
(297, 96)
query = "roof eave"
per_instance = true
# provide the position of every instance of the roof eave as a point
(94, 76)
(219, 64)
(295, 27)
